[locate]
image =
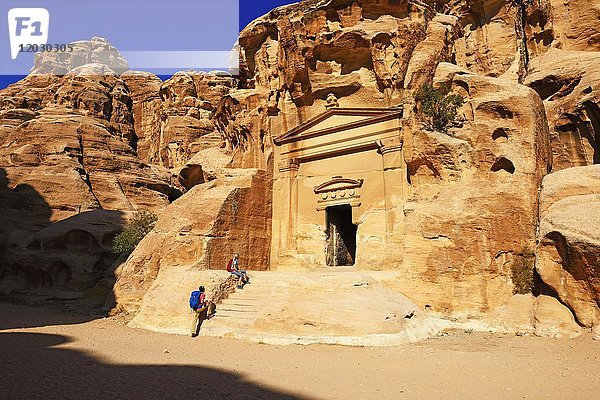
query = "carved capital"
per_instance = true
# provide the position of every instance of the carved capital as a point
(291, 164)
(389, 145)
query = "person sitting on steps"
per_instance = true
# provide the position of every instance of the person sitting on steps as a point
(234, 268)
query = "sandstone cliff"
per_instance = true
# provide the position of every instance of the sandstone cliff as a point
(469, 203)
(374, 53)
(568, 253)
(68, 150)
(83, 146)
(98, 140)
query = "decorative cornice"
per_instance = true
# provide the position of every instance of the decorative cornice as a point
(346, 183)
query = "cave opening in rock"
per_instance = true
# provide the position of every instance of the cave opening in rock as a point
(174, 194)
(341, 236)
(503, 164)
(499, 133)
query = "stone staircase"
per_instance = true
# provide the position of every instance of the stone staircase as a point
(241, 308)
(341, 306)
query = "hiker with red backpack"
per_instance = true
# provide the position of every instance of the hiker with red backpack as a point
(234, 269)
(198, 304)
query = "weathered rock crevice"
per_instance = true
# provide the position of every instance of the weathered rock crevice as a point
(84, 174)
(521, 37)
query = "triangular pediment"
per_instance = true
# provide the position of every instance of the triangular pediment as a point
(336, 120)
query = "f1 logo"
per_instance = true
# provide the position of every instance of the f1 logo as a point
(27, 26)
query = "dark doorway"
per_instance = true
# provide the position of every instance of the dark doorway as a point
(341, 236)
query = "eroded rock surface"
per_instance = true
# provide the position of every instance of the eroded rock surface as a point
(173, 119)
(95, 51)
(569, 84)
(376, 53)
(67, 149)
(471, 212)
(568, 253)
(200, 231)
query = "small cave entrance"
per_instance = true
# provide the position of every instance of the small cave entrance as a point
(341, 236)
(500, 133)
(503, 164)
(174, 194)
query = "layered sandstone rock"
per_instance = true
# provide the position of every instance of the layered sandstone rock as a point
(368, 53)
(95, 51)
(200, 231)
(470, 215)
(83, 133)
(93, 140)
(575, 24)
(568, 252)
(67, 159)
(569, 84)
(541, 316)
(172, 119)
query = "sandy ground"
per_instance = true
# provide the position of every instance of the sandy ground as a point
(51, 355)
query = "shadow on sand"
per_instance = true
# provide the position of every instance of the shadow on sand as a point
(21, 317)
(35, 367)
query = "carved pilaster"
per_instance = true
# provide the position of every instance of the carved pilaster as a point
(394, 173)
(391, 150)
(289, 169)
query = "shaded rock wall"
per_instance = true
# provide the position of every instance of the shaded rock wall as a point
(81, 147)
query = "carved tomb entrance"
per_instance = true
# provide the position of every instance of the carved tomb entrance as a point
(338, 185)
(341, 236)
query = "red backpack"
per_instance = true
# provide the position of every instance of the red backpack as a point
(230, 265)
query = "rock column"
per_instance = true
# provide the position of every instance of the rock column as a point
(288, 227)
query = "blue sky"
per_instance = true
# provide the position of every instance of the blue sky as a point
(251, 9)
(248, 10)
